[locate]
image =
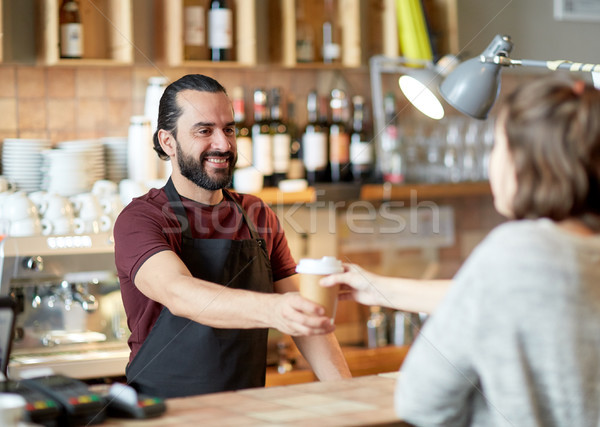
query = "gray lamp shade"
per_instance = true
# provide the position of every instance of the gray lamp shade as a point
(472, 88)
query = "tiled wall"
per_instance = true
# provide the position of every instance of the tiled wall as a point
(65, 103)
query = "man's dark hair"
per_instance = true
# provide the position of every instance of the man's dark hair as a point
(169, 110)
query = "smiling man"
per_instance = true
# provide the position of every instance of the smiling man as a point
(204, 272)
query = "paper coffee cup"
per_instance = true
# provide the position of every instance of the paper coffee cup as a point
(311, 271)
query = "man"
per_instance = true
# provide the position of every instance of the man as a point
(205, 272)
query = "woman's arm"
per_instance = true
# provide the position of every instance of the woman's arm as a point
(367, 288)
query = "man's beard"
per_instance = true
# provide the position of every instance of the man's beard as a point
(195, 171)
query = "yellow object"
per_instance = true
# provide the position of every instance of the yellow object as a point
(412, 30)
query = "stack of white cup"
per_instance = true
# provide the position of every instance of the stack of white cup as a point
(20, 216)
(56, 210)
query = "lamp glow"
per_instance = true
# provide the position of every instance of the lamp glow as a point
(421, 97)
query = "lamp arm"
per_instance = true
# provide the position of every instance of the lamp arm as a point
(554, 65)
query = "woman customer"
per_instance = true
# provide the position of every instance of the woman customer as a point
(515, 340)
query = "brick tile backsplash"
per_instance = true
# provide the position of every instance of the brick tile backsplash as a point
(61, 114)
(8, 79)
(61, 82)
(31, 114)
(8, 115)
(31, 82)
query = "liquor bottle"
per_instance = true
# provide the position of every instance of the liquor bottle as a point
(361, 149)
(339, 137)
(296, 169)
(71, 30)
(331, 47)
(305, 40)
(390, 156)
(262, 140)
(314, 143)
(194, 30)
(220, 30)
(282, 139)
(242, 130)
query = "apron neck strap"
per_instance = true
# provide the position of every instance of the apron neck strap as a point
(181, 216)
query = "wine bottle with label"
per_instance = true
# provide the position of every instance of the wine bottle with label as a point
(242, 130)
(339, 137)
(361, 147)
(71, 30)
(296, 169)
(194, 30)
(220, 31)
(262, 140)
(314, 143)
(282, 139)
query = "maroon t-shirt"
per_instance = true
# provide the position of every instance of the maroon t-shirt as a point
(148, 225)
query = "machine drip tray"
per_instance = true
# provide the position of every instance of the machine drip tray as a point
(82, 361)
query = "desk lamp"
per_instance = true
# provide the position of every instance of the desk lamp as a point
(473, 86)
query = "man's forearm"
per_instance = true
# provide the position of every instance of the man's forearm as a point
(324, 355)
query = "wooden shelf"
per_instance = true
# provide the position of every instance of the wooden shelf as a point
(273, 196)
(383, 192)
(107, 33)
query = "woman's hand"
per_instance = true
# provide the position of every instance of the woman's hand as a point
(360, 285)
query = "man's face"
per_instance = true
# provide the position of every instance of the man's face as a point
(206, 148)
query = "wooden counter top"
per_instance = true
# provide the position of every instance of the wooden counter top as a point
(358, 401)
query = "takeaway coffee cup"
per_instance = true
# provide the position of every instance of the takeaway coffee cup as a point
(311, 271)
(12, 409)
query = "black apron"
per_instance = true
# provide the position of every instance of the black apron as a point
(181, 357)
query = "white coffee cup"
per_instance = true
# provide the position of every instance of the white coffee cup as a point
(87, 206)
(129, 188)
(104, 188)
(63, 225)
(247, 180)
(92, 226)
(57, 207)
(112, 205)
(39, 200)
(29, 227)
(311, 271)
(12, 409)
(18, 206)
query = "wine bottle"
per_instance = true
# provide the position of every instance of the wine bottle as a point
(331, 48)
(296, 169)
(314, 143)
(339, 137)
(390, 155)
(194, 30)
(361, 149)
(282, 140)
(220, 30)
(305, 40)
(242, 130)
(262, 141)
(71, 30)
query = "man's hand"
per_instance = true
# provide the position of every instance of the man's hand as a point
(297, 316)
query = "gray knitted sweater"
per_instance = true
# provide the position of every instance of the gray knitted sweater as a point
(516, 342)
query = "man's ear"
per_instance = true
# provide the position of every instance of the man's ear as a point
(167, 142)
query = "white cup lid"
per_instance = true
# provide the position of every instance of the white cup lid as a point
(325, 265)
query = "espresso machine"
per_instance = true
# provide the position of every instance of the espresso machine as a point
(70, 313)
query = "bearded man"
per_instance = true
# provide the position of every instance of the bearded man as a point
(204, 271)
